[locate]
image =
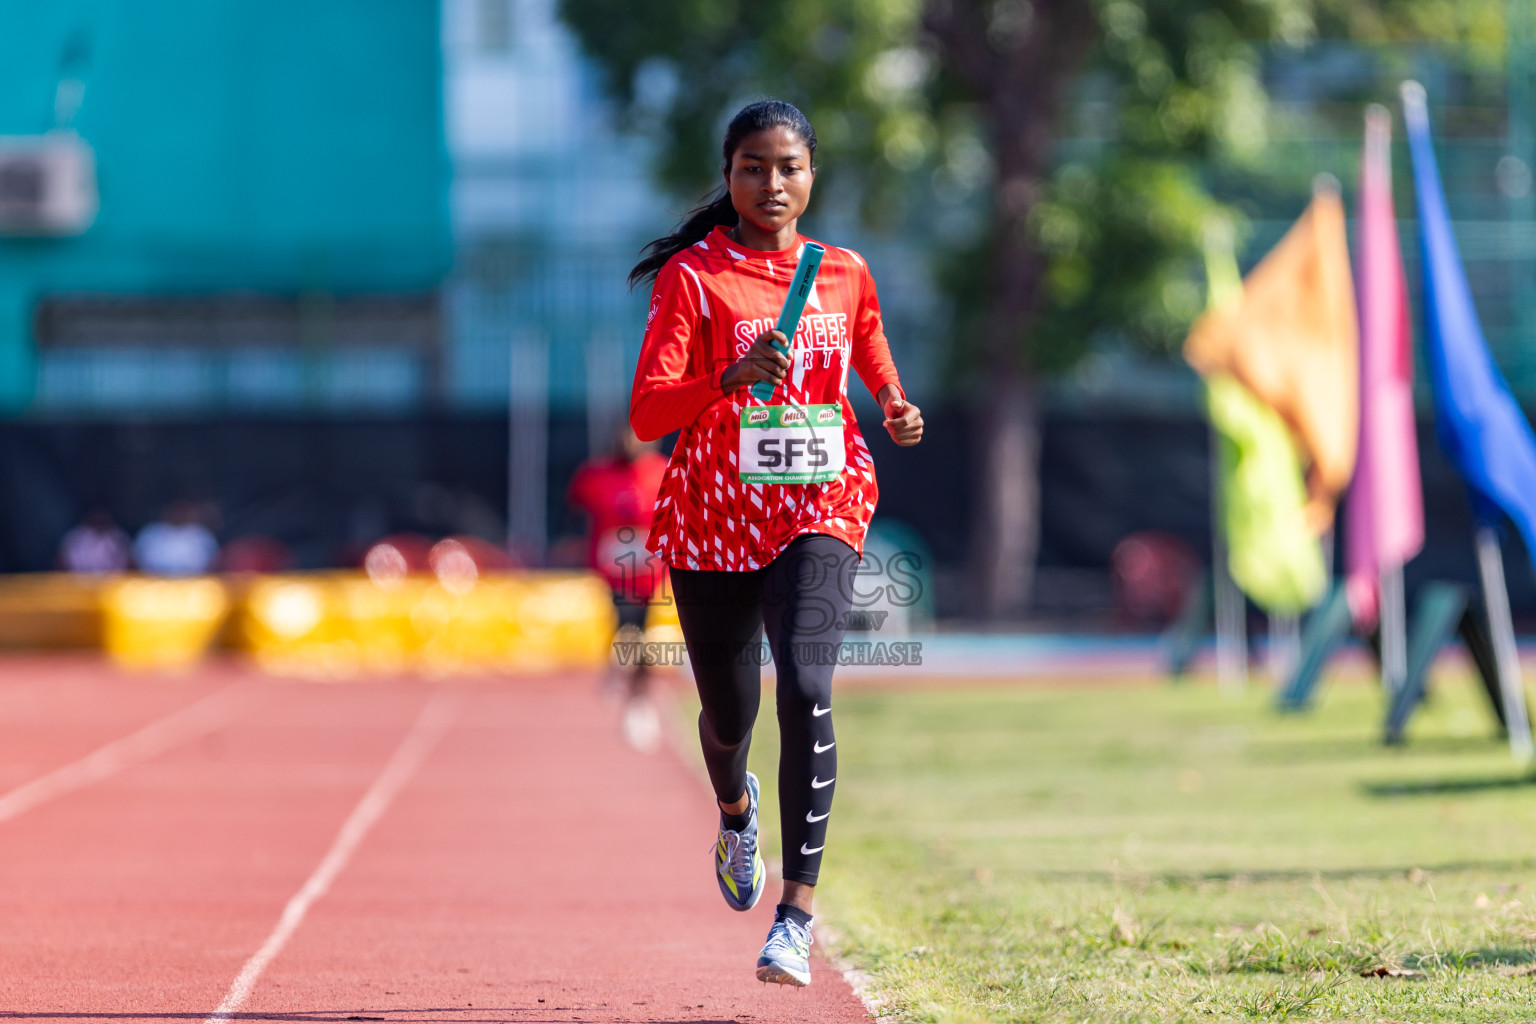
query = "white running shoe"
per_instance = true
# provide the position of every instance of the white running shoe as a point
(786, 956)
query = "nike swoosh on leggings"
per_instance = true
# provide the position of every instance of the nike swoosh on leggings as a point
(724, 612)
(807, 851)
(813, 818)
(819, 749)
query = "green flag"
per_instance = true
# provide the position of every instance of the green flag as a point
(1271, 553)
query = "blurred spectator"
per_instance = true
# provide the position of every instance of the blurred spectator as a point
(486, 556)
(177, 545)
(397, 556)
(1153, 575)
(255, 553)
(96, 546)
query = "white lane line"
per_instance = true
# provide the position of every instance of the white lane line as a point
(155, 738)
(429, 727)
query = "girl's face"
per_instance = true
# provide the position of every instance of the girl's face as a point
(770, 178)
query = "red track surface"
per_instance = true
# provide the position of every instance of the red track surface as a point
(491, 889)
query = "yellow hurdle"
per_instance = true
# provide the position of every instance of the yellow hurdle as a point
(161, 624)
(334, 625)
(50, 611)
(340, 626)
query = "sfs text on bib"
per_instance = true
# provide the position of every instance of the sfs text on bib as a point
(791, 444)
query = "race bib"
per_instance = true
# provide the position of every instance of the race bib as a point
(791, 444)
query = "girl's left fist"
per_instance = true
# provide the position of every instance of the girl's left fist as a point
(903, 420)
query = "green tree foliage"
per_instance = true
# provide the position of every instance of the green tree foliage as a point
(856, 67)
(963, 104)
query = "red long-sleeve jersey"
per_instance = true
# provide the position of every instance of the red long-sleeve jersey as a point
(619, 496)
(710, 303)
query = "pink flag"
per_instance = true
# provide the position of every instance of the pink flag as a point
(1385, 515)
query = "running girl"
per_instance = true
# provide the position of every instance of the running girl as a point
(747, 554)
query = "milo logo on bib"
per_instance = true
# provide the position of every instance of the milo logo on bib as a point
(791, 444)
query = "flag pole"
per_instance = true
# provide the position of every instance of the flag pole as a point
(1230, 605)
(1490, 567)
(1227, 600)
(1231, 630)
(1393, 619)
(1284, 645)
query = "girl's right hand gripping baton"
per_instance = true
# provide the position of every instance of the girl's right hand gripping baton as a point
(794, 305)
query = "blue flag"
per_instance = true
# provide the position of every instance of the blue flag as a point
(1478, 422)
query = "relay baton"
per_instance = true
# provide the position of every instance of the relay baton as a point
(794, 304)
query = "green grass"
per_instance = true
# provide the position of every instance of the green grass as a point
(1167, 854)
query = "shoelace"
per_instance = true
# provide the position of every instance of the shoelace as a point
(738, 856)
(794, 936)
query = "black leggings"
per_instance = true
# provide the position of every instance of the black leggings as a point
(802, 599)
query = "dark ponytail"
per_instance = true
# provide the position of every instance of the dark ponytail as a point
(716, 210)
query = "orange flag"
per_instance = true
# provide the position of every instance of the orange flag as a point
(1294, 342)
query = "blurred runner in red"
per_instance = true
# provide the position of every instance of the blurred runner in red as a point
(618, 494)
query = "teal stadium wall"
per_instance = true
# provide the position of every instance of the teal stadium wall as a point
(272, 146)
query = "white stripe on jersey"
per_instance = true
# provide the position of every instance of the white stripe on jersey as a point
(703, 301)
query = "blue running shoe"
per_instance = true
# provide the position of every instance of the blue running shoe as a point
(737, 862)
(786, 956)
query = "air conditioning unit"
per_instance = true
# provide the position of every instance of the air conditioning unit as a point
(47, 184)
